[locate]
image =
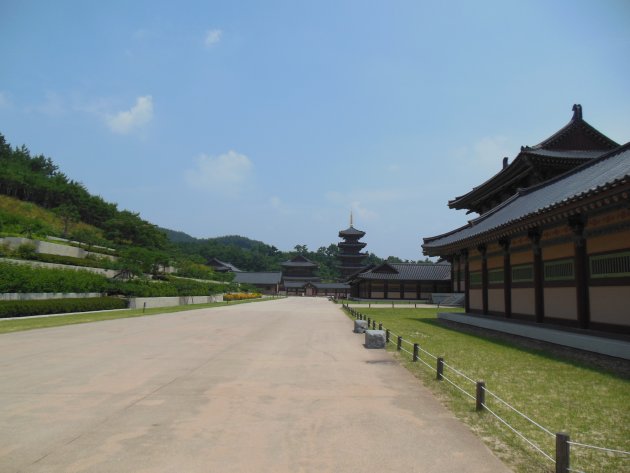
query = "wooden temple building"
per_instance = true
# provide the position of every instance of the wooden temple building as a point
(552, 243)
(299, 279)
(411, 281)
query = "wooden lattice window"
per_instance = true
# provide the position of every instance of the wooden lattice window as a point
(523, 273)
(612, 265)
(561, 270)
(475, 278)
(495, 276)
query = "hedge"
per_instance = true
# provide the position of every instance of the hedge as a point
(59, 306)
(23, 278)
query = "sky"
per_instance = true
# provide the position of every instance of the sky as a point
(274, 120)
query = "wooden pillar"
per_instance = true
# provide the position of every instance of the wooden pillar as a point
(539, 294)
(484, 277)
(418, 290)
(451, 259)
(458, 274)
(369, 291)
(507, 277)
(402, 289)
(466, 281)
(577, 224)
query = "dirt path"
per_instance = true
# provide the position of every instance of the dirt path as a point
(279, 386)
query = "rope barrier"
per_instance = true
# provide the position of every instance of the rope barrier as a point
(603, 449)
(519, 434)
(393, 339)
(455, 385)
(406, 351)
(519, 412)
(460, 373)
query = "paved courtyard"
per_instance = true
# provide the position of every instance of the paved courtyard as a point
(279, 386)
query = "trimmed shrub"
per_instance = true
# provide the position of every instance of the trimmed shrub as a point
(59, 306)
(24, 278)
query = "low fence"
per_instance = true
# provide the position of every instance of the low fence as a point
(563, 443)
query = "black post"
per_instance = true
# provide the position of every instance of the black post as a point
(415, 352)
(387, 336)
(369, 321)
(380, 325)
(399, 345)
(480, 395)
(373, 324)
(562, 452)
(440, 368)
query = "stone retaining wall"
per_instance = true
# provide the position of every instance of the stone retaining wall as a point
(138, 302)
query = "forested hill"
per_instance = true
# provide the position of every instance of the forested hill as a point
(38, 180)
(90, 219)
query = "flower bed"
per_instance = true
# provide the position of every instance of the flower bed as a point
(241, 296)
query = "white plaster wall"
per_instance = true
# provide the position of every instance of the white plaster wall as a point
(496, 300)
(561, 303)
(523, 301)
(475, 298)
(610, 304)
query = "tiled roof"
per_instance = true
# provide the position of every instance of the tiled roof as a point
(223, 265)
(408, 272)
(565, 149)
(299, 261)
(587, 179)
(318, 285)
(351, 231)
(271, 277)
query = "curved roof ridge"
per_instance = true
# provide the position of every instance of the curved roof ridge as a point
(576, 121)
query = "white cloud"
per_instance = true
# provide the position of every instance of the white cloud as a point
(226, 173)
(4, 100)
(212, 37)
(136, 117)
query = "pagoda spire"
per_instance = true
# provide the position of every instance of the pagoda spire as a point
(350, 217)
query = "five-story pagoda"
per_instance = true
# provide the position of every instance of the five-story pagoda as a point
(350, 256)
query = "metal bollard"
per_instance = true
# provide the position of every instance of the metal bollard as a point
(415, 351)
(440, 368)
(480, 398)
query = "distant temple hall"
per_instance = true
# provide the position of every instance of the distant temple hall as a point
(552, 244)
(409, 281)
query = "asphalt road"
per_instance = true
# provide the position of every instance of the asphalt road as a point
(279, 386)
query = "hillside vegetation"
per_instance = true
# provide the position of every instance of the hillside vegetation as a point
(38, 200)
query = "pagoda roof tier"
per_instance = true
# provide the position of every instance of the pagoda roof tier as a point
(349, 244)
(528, 207)
(351, 232)
(352, 255)
(571, 146)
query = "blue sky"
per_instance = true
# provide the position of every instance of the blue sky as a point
(273, 119)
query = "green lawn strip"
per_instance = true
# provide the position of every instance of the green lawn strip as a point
(17, 325)
(561, 394)
(388, 302)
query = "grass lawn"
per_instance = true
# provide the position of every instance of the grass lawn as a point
(563, 395)
(16, 325)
